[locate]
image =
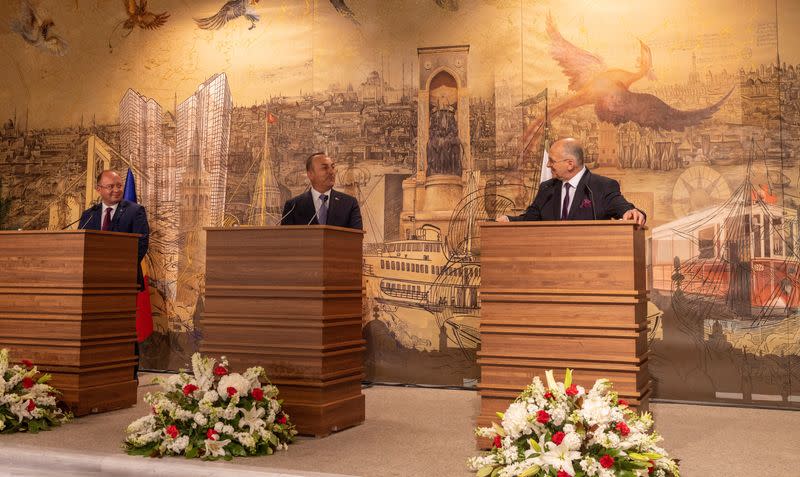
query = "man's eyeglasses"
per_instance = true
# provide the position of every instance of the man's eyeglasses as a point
(110, 186)
(551, 161)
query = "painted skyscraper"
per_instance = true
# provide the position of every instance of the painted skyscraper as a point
(204, 123)
(142, 142)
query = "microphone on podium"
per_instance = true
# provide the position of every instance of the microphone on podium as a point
(80, 227)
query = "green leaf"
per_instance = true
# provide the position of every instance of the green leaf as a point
(500, 415)
(237, 449)
(33, 427)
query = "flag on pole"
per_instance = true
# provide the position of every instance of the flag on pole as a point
(144, 311)
(547, 174)
(541, 95)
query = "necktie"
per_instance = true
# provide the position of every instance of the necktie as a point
(107, 219)
(322, 215)
(565, 207)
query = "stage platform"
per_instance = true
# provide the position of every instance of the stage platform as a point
(408, 432)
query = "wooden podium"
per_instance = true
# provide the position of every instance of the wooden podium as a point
(68, 303)
(289, 299)
(558, 295)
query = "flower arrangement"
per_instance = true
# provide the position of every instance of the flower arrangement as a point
(27, 403)
(213, 414)
(561, 430)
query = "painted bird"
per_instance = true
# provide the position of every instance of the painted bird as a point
(139, 16)
(346, 11)
(594, 83)
(37, 30)
(231, 10)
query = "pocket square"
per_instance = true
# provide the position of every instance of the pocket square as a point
(586, 203)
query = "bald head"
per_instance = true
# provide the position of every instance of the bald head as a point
(109, 186)
(570, 147)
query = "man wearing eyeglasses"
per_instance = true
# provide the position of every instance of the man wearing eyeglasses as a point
(321, 204)
(117, 215)
(575, 193)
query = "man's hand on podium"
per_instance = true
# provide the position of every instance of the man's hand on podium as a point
(635, 214)
(502, 218)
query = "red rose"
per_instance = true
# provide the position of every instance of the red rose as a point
(651, 468)
(27, 363)
(220, 370)
(548, 395)
(623, 429)
(622, 402)
(257, 393)
(231, 391)
(172, 431)
(498, 442)
(31, 405)
(27, 383)
(562, 473)
(189, 389)
(572, 390)
(281, 419)
(542, 417)
(212, 434)
(558, 437)
(607, 461)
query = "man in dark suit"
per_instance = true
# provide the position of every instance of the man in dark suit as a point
(574, 193)
(321, 204)
(117, 215)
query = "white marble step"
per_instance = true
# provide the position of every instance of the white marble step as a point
(27, 461)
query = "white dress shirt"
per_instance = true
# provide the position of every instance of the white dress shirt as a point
(103, 215)
(317, 201)
(573, 188)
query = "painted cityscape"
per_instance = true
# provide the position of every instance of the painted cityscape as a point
(428, 158)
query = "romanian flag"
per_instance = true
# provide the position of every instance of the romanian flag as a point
(144, 311)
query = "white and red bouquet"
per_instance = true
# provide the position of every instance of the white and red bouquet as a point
(213, 414)
(27, 402)
(564, 431)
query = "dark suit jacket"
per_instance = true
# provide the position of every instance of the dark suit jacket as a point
(343, 211)
(129, 217)
(596, 198)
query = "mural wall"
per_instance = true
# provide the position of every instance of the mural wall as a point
(436, 113)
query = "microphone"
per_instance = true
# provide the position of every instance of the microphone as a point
(82, 226)
(280, 221)
(71, 224)
(313, 216)
(591, 199)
